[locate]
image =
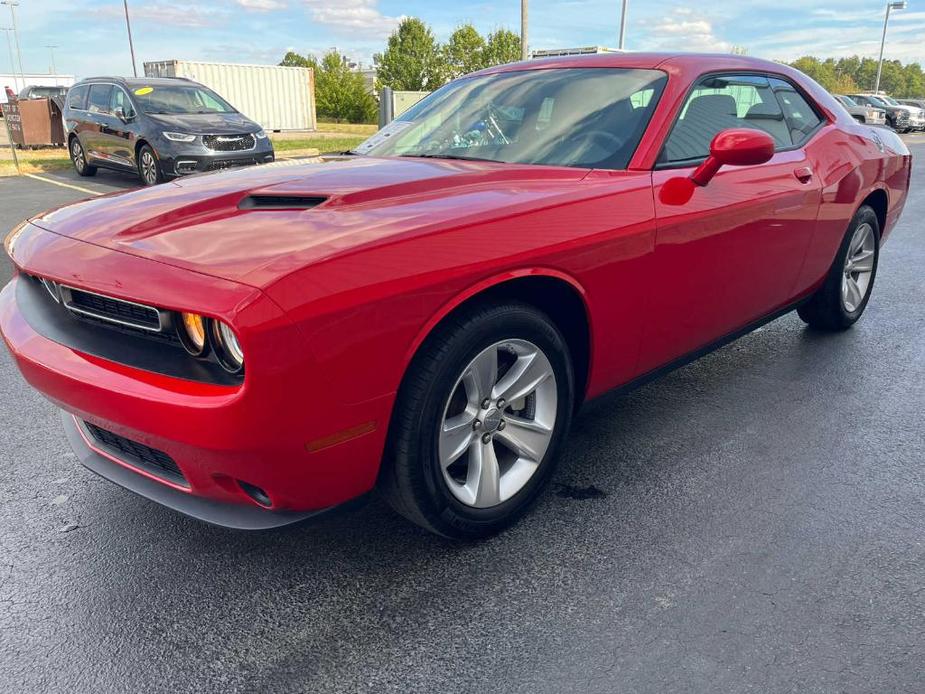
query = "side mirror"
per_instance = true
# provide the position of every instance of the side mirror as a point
(119, 113)
(734, 147)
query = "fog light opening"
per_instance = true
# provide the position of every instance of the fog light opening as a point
(186, 167)
(260, 497)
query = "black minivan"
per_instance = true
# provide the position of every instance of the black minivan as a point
(158, 127)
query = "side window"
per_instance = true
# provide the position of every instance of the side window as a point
(719, 102)
(121, 100)
(99, 98)
(77, 97)
(801, 118)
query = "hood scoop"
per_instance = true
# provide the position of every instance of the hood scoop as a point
(264, 201)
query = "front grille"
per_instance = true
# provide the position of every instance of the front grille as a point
(108, 309)
(229, 143)
(137, 454)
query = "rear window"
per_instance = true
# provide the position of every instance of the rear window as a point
(77, 97)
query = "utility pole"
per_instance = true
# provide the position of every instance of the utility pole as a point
(9, 46)
(896, 5)
(131, 46)
(51, 50)
(13, 4)
(524, 49)
(623, 25)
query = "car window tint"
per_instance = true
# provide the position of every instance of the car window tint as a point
(77, 97)
(120, 100)
(801, 118)
(720, 102)
(99, 98)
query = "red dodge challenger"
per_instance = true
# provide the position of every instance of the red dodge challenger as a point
(424, 314)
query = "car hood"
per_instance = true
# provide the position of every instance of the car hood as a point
(205, 123)
(203, 223)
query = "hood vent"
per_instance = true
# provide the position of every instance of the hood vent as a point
(280, 202)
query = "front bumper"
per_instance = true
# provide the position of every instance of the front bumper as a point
(182, 158)
(265, 432)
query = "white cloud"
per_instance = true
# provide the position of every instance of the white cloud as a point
(161, 13)
(361, 16)
(683, 29)
(262, 5)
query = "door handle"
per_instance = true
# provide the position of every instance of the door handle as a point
(804, 174)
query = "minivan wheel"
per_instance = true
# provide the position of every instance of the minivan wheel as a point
(478, 421)
(79, 159)
(149, 168)
(842, 298)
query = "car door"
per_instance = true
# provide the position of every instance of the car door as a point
(117, 134)
(731, 253)
(95, 119)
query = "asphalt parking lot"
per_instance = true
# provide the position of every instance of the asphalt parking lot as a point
(751, 523)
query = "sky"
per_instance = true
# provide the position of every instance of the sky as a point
(91, 38)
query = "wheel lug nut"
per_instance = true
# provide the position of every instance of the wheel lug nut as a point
(486, 403)
(501, 425)
(501, 403)
(486, 438)
(476, 425)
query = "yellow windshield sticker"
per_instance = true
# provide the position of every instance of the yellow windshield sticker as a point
(143, 90)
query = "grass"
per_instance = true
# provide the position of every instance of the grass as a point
(351, 128)
(324, 145)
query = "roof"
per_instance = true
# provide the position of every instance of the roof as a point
(137, 81)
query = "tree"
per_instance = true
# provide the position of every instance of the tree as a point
(412, 61)
(464, 52)
(503, 46)
(293, 59)
(340, 93)
(853, 74)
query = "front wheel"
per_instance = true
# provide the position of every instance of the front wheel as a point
(842, 298)
(478, 421)
(149, 168)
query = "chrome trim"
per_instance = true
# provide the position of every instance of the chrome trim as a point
(66, 300)
(51, 288)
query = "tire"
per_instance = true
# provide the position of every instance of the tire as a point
(843, 296)
(149, 167)
(440, 392)
(79, 159)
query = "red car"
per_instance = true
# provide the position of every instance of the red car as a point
(424, 316)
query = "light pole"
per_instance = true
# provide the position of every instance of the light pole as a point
(13, 4)
(51, 51)
(524, 50)
(9, 45)
(623, 24)
(131, 46)
(892, 5)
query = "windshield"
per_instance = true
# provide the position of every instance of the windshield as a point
(587, 117)
(44, 91)
(847, 101)
(890, 100)
(175, 99)
(877, 101)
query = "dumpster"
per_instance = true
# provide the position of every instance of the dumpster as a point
(34, 122)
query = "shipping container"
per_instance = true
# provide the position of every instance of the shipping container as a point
(276, 97)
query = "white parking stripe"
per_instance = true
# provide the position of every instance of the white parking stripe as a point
(62, 184)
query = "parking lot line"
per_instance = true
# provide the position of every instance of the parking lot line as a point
(62, 184)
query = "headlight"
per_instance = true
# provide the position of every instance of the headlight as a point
(191, 329)
(226, 345)
(179, 137)
(261, 135)
(9, 243)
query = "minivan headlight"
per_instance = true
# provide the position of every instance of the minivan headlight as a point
(261, 134)
(178, 137)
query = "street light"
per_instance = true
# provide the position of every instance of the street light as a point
(623, 24)
(9, 46)
(892, 5)
(51, 50)
(524, 49)
(131, 46)
(13, 4)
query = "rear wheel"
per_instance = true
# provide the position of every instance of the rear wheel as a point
(149, 168)
(478, 421)
(842, 298)
(79, 159)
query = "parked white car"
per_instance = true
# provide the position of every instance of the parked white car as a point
(916, 115)
(863, 113)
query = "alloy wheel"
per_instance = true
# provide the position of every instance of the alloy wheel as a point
(77, 156)
(859, 267)
(498, 423)
(148, 168)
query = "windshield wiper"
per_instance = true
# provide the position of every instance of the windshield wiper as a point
(448, 156)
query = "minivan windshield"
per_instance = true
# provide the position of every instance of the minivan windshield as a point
(585, 117)
(179, 98)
